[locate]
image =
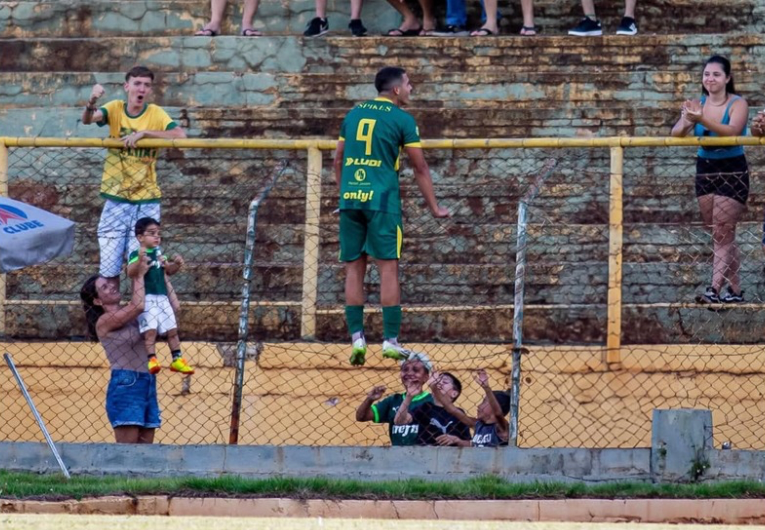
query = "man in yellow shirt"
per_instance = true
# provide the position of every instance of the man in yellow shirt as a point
(129, 182)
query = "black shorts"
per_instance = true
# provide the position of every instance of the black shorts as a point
(728, 177)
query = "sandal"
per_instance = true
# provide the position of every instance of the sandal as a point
(398, 32)
(482, 32)
(206, 32)
(528, 31)
(249, 32)
(427, 32)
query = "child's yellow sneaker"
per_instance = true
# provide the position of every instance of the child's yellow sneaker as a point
(179, 365)
(154, 366)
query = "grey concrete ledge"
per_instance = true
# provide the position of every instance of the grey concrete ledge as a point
(363, 463)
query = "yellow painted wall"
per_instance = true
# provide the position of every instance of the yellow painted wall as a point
(306, 393)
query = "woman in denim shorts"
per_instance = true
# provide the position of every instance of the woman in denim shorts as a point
(131, 399)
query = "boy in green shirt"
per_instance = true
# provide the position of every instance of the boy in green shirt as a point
(158, 316)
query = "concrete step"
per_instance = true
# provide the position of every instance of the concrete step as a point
(182, 17)
(443, 90)
(341, 55)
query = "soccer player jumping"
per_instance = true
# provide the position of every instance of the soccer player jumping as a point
(366, 170)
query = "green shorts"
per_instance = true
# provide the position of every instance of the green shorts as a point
(378, 234)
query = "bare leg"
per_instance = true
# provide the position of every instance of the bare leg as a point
(491, 18)
(217, 7)
(428, 17)
(726, 214)
(356, 6)
(145, 436)
(629, 8)
(248, 13)
(128, 434)
(410, 19)
(354, 281)
(321, 8)
(588, 7)
(390, 290)
(150, 340)
(527, 8)
(173, 340)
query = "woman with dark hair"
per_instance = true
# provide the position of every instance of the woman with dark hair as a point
(722, 174)
(131, 398)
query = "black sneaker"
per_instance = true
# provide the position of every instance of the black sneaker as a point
(587, 28)
(710, 296)
(628, 26)
(357, 28)
(451, 31)
(317, 26)
(732, 298)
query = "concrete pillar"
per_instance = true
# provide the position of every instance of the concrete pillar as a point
(680, 443)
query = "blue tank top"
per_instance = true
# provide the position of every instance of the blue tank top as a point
(719, 152)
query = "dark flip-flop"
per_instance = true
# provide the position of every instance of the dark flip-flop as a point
(482, 32)
(206, 32)
(528, 31)
(396, 32)
(250, 32)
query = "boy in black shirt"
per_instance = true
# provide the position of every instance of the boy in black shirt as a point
(436, 425)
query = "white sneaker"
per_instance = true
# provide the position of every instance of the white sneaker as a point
(358, 356)
(393, 350)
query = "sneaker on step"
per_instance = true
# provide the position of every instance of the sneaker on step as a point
(627, 26)
(179, 365)
(154, 366)
(450, 31)
(587, 28)
(317, 26)
(357, 28)
(732, 298)
(393, 350)
(358, 356)
(710, 296)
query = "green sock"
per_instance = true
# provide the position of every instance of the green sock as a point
(391, 321)
(354, 317)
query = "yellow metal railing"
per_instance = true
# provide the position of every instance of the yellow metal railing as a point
(314, 147)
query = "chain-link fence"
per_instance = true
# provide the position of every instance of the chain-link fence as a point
(457, 279)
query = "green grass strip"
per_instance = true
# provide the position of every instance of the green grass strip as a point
(56, 487)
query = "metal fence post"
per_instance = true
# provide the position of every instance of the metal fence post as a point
(38, 418)
(3, 193)
(615, 242)
(520, 278)
(244, 313)
(311, 244)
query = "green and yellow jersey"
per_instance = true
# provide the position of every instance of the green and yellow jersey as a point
(374, 133)
(130, 174)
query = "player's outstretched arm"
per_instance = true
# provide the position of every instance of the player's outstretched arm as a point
(364, 412)
(424, 181)
(91, 114)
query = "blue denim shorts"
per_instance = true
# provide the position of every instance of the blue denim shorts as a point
(131, 399)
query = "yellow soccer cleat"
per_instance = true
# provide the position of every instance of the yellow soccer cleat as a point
(179, 365)
(154, 366)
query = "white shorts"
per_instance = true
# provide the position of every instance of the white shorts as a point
(116, 233)
(158, 315)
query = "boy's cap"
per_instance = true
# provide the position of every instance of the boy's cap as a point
(504, 401)
(421, 357)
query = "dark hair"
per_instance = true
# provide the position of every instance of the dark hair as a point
(139, 71)
(144, 223)
(388, 77)
(455, 383)
(93, 312)
(730, 88)
(504, 401)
